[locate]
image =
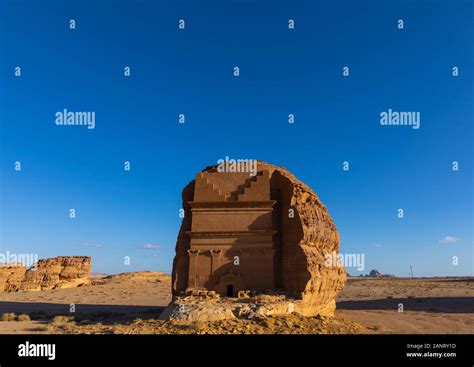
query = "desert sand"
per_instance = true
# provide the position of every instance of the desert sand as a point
(132, 302)
(430, 305)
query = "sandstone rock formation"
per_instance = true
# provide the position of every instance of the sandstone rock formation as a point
(11, 277)
(262, 234)
(58, 272)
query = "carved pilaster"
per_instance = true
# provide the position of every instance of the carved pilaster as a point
(193, 260)
(215, 259)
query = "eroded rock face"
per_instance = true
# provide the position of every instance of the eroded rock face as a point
(53, 273)
(277, 227)
(11, 277)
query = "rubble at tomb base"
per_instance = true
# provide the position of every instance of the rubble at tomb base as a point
(215, 308)
(53, 273)
(246, 235)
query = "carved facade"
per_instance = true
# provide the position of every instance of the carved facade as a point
(232, 242)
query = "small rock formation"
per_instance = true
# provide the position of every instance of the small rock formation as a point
(377, 274)
(53, 273)
(247, 236)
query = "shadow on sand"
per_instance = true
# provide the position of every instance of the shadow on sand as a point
(427, 304)
(84, 313)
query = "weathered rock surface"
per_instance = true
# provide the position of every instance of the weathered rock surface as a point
(57, 272)
(11, 277)
(203, 309)
(305, 235)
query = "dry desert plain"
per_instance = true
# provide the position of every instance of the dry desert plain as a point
(131, 303)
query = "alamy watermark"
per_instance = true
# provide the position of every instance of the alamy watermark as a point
(335, 260)
(19, 259)
(70, 118)
(395, 118)
(28, 349)
(237, 165)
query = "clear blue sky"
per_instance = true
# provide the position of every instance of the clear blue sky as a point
(191, 71)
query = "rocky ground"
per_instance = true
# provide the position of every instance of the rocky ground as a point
(292, 324)
(131, 303)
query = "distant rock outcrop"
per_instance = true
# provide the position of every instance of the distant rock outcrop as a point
(57, 272)
(377, 274)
